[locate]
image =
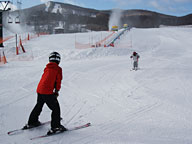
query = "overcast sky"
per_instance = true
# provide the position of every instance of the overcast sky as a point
(170, 7)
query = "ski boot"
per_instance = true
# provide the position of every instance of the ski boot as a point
(28, 126)
(61, 128)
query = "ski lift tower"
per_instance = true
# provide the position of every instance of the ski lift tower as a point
(17, 19)
(4, 7)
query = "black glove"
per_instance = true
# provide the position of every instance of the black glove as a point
(56, 93)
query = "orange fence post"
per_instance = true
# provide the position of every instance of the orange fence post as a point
(17, 50)
(3, 59)
(20, 43)
(28, 37)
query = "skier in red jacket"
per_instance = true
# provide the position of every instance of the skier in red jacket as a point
(47, 92)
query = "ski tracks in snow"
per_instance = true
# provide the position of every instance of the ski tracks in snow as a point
(110, 127)
(120, 90)
(128, 118)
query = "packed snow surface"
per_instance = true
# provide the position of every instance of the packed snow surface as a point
(150, 106)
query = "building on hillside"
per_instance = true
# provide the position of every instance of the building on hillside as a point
(59, 30)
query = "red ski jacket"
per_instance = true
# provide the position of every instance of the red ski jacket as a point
(51, 79)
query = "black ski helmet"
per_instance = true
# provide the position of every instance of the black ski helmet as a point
(54, 57)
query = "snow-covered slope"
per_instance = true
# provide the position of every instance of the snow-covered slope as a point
(148, 106)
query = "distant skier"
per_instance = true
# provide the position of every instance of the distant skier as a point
(135, 57)
(47, 92)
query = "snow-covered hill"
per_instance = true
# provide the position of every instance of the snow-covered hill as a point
(148, 106)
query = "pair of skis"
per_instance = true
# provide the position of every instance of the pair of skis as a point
(59, 132)
(16, 131)
(45, 135)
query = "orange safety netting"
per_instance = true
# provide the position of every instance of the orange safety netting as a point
(82, 46)
(102, 41)
(5, 39)
(88, 45)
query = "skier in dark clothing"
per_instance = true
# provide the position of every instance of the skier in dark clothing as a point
(47, 92)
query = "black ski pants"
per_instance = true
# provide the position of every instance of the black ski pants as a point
(52, 103)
